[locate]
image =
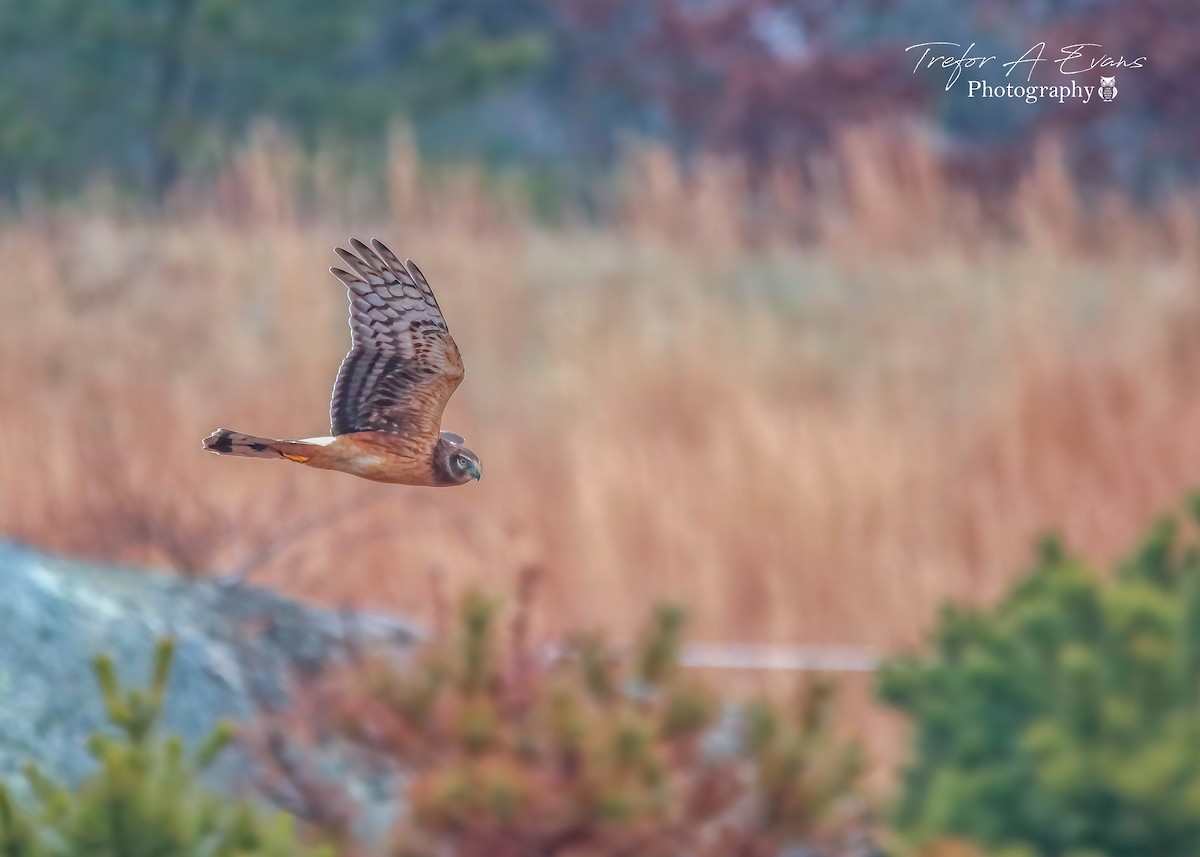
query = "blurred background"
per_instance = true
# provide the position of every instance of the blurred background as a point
(758, 318)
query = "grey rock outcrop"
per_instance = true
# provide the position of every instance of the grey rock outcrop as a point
(238, 650)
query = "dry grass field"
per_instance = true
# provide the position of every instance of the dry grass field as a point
(810, 415)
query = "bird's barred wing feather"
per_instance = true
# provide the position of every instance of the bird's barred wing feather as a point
(403, 365)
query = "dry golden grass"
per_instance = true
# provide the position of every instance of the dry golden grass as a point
(802, 441)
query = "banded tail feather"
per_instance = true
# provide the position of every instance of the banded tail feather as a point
(226, 442)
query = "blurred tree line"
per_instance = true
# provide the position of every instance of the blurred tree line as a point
(145, 91)
(778, 80)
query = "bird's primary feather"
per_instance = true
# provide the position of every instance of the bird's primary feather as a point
(403, 365)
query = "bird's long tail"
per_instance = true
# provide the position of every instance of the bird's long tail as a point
(226, 442)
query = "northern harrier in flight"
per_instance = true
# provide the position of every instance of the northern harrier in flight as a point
(391, 389)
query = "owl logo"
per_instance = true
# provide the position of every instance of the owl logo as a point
(1108, 88)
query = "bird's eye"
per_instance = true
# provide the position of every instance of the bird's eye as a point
(464, 462)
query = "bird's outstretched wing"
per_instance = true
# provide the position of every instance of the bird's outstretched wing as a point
(403, 365)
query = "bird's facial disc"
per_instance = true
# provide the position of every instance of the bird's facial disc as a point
(467, 463)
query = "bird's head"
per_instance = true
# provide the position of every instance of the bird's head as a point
(453, 462)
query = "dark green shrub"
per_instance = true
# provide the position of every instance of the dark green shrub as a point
(143, 800)
(1065, 720)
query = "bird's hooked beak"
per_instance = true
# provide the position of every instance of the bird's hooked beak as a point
(477, 471)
